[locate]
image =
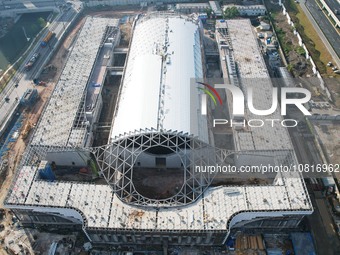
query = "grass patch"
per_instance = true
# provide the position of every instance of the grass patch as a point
(6, 79)
(301, 51)
(280, 34)
(14, 43)
(291, 6)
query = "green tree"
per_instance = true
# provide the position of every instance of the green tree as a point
(231, 12)
(41, 22)
(208, 11)
(33, 29)
(300, 50)
(290, 67)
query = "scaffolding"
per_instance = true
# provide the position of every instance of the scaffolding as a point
(63, 121)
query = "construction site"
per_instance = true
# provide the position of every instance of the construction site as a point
(22, 128)
(114, 151)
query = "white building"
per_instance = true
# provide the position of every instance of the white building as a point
(248, 10)
(264, 26)
(216, 8)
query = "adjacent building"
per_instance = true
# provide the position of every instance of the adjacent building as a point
(192, 7)
(249, 10)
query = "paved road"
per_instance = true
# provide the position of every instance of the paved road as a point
(334, 5)
(323, 27)
(23, 78)
(326, 240)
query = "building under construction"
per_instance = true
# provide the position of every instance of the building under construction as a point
(152, 193)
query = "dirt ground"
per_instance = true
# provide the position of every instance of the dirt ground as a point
(329, 135)
(34, 242)
(301, 67)
(126, 34)
(111, 88)
(334, 88)
(158, 183)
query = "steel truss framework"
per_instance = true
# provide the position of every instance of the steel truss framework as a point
(118, 159)
(116, 162)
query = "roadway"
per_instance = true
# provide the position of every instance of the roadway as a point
(320, 221)
(328, 34)
(321, 224)
(10, 96)
(334, 5)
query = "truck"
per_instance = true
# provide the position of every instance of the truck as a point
(32, 61)
(329, 185)
(30, 97)
(37, 82)
(47, 38)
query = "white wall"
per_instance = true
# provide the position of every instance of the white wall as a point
(66, 158)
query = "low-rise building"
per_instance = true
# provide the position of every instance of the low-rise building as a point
(248, 10)
(216, 8)
(192, 7)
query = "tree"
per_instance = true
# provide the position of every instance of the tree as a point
(33, 28)
(41, 22)
(300, 50)
(208, 11)
(290, 67)
(231, 12)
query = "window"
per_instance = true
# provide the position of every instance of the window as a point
(160, 162)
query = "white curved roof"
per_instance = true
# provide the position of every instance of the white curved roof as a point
(158, 83)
